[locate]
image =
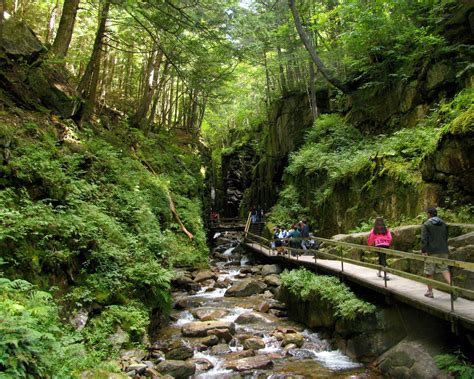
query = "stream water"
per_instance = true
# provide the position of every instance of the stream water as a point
(273, 357)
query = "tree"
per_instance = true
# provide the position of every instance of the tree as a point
(312, 51)
(88, 86)
(66, 28)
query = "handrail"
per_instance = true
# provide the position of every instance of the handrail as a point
(247, 224)
(436, 284)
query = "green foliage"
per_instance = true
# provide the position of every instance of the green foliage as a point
(456, 365)
(458, 115)
(288, 210)
(33, 342)
(94, 219)
(304, 284)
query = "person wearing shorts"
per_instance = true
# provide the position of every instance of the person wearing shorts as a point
(434, 243)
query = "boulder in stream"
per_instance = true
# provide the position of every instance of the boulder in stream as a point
(209, 314)
(272, 280)
(177, 369)
(253, 317)
(250, 363)
(254, 343)
(204, 275)
(246, 287)
(179, 350)
(271, 269)
(201, 328)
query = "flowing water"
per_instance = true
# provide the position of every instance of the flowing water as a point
(314, 359)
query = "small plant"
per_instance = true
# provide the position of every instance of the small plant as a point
(455, 364)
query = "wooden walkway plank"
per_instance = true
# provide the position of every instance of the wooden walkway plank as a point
(405, 290)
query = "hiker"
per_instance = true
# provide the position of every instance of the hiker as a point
(434, 243)
(253, 215)
(214, 217)
(380, 236)
(294, 233)
(259, 214)
(282, 236)
(304, 230)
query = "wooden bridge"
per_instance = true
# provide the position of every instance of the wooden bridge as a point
(405, 287)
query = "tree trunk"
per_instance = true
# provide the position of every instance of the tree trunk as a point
(284, 87)
(51, 22)
(65, 29)
(312, 51)
(2, 16)
(88, 86)
(312, 90)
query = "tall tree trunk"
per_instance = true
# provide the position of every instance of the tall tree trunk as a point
(2, 16)
(65, 29)
(284, 86)
(150, 85)
(312, 90)
(312, 51)
(51, 22)
(88, 85)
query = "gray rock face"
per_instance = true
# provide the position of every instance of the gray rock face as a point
(177, 369)
(271, 269)
(408, 360)
(246, 287)
(18, 40)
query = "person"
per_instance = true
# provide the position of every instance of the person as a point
(214, 217)
(253, 215)
(380, 236)
(294, 233)
(259, 214)
(304, 230)
(282, 236)
(434, 243)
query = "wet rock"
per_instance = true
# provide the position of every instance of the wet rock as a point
(220, 349)
(278, 313)
(209, 314)
(201, 328)
(177, 369)
(186, 303)
(246, 287)
(152, 373)
(272, 280)
(137, 368)
(179, 350)
(222, 284)
(278, 305)
(221, 334)
(271, 269)
(250, 363)
(254, 343)
(241, 275)
(202, 364)
(268, 295)
(252, 318)
(246, 270)
(182, 280)
(207, 341)
(290, 338)
(204, 275)
(240, 354)
(262, 307)
(79, 320)
(408, 360)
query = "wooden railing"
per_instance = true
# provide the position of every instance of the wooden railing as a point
(450, 288)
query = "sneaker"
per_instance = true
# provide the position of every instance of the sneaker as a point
(429, 294)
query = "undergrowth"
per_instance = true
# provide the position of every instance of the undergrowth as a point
(304, 284)
(456, 365)
(92, 218)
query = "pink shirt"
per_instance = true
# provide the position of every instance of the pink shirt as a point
(379, 239)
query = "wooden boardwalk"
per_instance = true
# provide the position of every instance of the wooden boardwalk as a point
(404, 290)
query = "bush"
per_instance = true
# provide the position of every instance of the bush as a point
(304, 284)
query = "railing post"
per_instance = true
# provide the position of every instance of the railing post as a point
(342, 259)
(451, 294)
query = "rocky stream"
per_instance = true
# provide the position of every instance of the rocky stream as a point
(228, 323)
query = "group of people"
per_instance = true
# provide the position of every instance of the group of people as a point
(293, 237)
(257, 214)
(434, 242)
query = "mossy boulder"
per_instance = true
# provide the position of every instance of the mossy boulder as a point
(19, 41)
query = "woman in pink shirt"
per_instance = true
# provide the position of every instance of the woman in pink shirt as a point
(380, 236)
